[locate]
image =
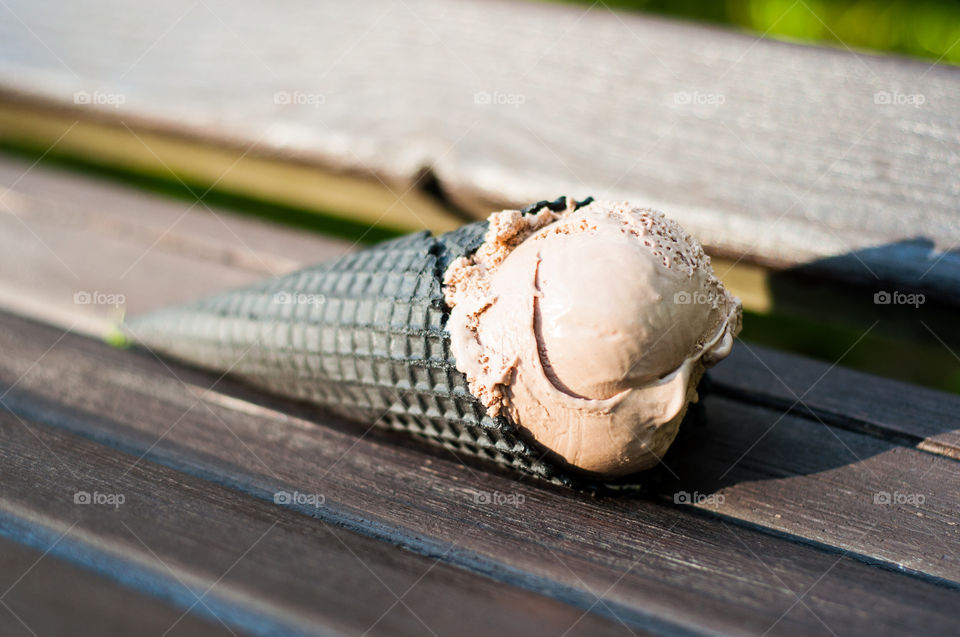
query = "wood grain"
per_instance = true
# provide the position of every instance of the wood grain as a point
(44, 595)
(64, 235)
(823, 485)
(917, 416)
(243, 562)
(656, 564)
(138, 149)
(783, 153)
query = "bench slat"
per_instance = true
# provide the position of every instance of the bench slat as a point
(62, 234)
(921, 417)
(262, 568)
(44, 595)
(881, 501)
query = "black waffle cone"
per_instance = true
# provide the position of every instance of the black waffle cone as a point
(363, 336)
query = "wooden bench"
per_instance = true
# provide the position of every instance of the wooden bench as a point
(815, 499)
(783, 481)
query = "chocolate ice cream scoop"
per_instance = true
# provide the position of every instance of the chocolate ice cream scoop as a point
(589, 329)
(563, 341)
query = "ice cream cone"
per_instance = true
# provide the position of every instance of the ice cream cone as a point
(363, 336)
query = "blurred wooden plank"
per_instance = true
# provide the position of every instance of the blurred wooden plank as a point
(78, 203)
(252, 171)
(80, 252)
(44, 595)
(783, 153)
(656, 564)
(256, 567)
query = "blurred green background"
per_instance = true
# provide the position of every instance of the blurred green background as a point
(922, 28)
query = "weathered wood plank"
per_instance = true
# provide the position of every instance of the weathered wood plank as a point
(783, 153)
(825, 485)
(649, 560)
(79, 203)
(748, 455)
(252, 171)
(66, 239)
(241, 561)
(44, 595)
(924, 418)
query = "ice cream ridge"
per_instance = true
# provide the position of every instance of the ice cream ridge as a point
(565, 340)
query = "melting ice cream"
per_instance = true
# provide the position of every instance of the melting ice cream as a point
(589, 329)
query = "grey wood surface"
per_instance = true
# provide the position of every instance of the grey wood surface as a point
(656, 564)
(783, 153)
(795, 475)
(45, 595)
(926, 419)
(824, 485)
(63, 234)
(242, 562)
